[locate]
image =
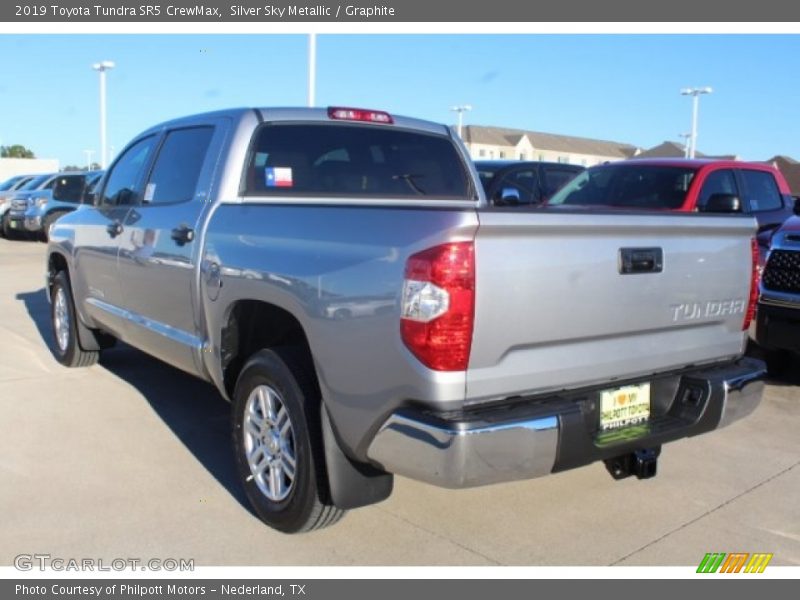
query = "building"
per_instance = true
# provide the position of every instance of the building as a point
(677, 150)
(517, 144)
(790, 168)
(26, 166)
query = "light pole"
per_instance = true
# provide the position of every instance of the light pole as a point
(88, 154)
(685, 137)
(695, 94)
(312, 67)
(461, 109)
(101, 68)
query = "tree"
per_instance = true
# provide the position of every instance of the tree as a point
(16, 151)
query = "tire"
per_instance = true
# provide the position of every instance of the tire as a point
(64, 323)
(277, 439)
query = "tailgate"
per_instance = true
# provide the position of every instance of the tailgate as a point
(553, 310)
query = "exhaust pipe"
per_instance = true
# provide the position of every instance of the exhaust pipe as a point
(642, 463)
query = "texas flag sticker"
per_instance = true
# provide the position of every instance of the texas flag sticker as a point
(278, 176)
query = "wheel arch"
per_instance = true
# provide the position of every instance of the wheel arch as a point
(250, 325)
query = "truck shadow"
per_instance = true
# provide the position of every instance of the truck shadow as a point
(194, 411)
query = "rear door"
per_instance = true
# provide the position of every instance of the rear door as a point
(160, 248)
(555, 307)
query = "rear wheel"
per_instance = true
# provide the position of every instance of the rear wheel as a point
(66, 346)
(278, 443)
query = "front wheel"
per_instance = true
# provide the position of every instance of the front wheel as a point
(63, 318)
(278, 443)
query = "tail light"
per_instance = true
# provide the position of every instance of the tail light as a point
(754, 274)
(340, 113)
(438, 306)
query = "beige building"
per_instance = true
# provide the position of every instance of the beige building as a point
(26, 166)
(486, 143)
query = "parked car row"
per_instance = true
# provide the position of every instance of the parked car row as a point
(30, 204)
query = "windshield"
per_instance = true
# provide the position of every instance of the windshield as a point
(35, 183)
(628, 185)
(10, 183)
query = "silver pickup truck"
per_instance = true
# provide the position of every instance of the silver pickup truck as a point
(340, 277)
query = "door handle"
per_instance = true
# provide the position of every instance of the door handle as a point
(114, 229)
(183, 235)
(640, 260)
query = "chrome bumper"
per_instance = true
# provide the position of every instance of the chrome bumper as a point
(460, 456)
(33, 223)
(742, 396)
(468, 452)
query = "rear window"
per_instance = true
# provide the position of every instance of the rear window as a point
(628, 186)
(354, 160)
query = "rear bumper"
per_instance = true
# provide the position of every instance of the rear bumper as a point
(531, 437)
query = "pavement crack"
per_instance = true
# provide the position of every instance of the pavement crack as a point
(441, 537)
(705, 514)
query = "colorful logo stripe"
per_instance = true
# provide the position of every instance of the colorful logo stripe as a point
(734, 562)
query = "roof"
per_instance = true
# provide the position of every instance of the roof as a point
(698, 162)
(666, 150)
(500, 136)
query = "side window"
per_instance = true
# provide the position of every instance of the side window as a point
(126, 174)
(177, 167)
(761, 191)
(717, 182)
(521, 185)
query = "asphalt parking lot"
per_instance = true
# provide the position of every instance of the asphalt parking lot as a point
(131, 458)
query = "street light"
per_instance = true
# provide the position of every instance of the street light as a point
(695, 94)
(461, 109)
(101, 68)
(685, 137)
(312, 67)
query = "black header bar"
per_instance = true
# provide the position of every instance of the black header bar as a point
(398, 11)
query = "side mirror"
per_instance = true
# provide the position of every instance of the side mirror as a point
(723, 203)
(509, 195)
(69, 189)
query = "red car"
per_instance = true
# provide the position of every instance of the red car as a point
(685, 185)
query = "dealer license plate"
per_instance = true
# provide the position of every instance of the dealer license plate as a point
(624, 406)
